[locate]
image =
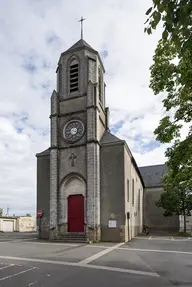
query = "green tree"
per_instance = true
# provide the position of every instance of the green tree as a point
(1, 211)
(176, 18)
(178, 181)
(171, 74)
(28, 215)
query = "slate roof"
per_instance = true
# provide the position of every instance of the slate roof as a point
(45, 152)
(109, 138)
(80, 44)
(152, 175)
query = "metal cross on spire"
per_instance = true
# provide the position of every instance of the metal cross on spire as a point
(81, 20)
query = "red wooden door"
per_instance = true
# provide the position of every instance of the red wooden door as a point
(76, 213)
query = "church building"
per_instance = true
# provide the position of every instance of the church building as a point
(89, 186)
(88, 183)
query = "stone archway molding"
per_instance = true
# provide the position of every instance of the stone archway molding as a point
(72, 184)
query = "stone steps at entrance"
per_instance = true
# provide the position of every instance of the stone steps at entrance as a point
(72, 238)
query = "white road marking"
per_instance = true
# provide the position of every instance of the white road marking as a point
(98, 246)
(82, 265)
(123, 249)
(7, 266)
(179, 240)
(16, 274)
(161, 239)
(122, 270)
(172, 238)
(96, 256)
(150, 237)
(32, 283)
(155, 250)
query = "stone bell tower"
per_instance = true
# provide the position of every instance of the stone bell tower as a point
(78, 121)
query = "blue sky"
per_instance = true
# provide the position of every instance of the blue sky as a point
(33, 34)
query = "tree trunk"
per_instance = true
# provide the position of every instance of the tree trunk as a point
(184, 213)
(185, 223)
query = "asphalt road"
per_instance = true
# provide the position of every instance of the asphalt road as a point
(24, 261)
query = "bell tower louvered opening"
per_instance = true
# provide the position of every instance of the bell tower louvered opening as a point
(74, 76)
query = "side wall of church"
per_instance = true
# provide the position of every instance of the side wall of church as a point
(112, 192)
(43, 192)
(137, 207)
(134, 207)
(153, 215)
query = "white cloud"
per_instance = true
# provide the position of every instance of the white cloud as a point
(33, 34)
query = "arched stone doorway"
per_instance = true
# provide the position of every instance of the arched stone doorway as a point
(72, 204)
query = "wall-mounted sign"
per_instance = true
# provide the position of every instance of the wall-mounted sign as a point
(112, 216)
(112, 223)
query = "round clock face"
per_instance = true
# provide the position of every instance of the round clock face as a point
(73, 130)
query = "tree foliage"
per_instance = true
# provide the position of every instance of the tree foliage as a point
(171, 74)
(1, 211)
(176, 80)
(28, 215)
(176, 18)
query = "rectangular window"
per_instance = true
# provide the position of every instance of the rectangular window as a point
(139, 196)
(73, 78)
(133, 191)
(127, 190)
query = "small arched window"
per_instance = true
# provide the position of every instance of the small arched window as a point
(74, 76)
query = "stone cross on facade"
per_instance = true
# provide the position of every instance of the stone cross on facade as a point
(81, 20)
(72, 158)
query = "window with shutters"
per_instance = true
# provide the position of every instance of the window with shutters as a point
(74, 76)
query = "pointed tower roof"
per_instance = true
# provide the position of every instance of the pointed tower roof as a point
(79, 45)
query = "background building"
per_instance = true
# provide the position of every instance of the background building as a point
(17, 224)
